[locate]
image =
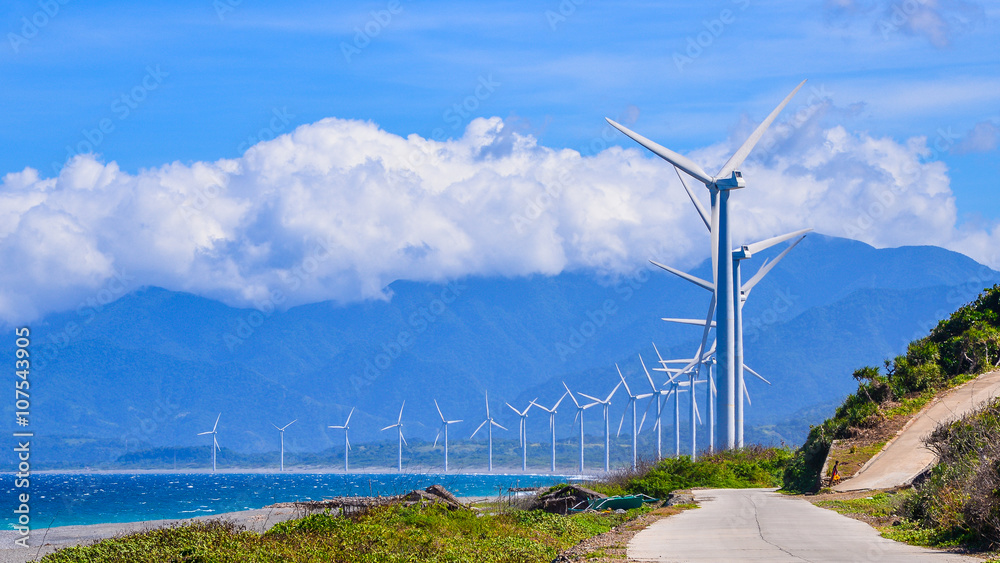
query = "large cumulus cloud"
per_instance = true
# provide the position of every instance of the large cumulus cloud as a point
(339, 209)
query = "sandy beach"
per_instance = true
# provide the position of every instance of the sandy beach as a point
(45, 541)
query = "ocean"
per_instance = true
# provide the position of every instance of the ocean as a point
(65, 499)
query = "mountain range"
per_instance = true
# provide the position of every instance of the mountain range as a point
(154, 367)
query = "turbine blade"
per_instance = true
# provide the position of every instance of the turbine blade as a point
(497, 424)
(694, 200)
(436, 439)
(388, 427)
(570, 393)
(611, 394)
(759, 376)
(747, 393)
(644, 413)
(749, 285)
(216, 425)
(556, 406)
(203, 433)
(627, 405)
(768, 243)
(693, 279)
(740, 155)
(477, 429)
(589, 397)
(695, 322)
(487, 404)
(627, 390)
(438, 409)
(513, 409)
(678, 160)
(349, 415)
(649, 377)
(401, 437)
(400, 419)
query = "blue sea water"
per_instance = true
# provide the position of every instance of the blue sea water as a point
(64, 499)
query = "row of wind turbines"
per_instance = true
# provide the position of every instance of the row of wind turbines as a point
(725, 389)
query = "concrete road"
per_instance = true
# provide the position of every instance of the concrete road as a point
(761, 525)
(905, 457)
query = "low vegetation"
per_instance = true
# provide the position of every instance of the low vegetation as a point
(956, 350)
(754, 466)
(387, 534)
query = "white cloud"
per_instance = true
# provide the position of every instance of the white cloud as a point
(339, 209)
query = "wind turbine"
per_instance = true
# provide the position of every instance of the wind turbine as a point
(720, 186)
(579, 414)
(523, 434)
(444, 429)
(552, 425)
(282, 432)
(489, 423)
(657, 394)
(215, 439)
(606, 403)
(399, 429)
(632, 399)
(347, 442)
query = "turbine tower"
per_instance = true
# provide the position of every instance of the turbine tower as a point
(215, 439)
(523, 435)
(489, 423)
(579, 414)
(347, 442)
(552, 425)
(720, 186)
(399, 430)
(606, 403)
(443, 429)
(282, 432)
(632, 400)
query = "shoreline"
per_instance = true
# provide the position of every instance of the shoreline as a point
(51, 539)
(503, 472)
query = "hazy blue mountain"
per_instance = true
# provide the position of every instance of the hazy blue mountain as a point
(155, 367)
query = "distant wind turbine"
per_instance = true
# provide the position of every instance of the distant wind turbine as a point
(523, 433)
(347, 441)
(215, 439)
(552, 425)
(282, 432)
(444, 428)
(489, 423)
(632, 399)
(579, 414)
(399, 428)
(606, 403)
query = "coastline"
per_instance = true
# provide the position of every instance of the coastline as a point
(50, 539)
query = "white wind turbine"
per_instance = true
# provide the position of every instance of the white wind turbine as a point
(579, 414)
(399, 430)
(606, 403)
(489, 423)
(523, 435)
(657, 394)
(215, 439)
(739, 255)
(720, 186)
(632, 400)
(444, 429)
(552, 425)
(282, 432)
(347, 442)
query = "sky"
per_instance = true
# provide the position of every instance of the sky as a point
(235, 148)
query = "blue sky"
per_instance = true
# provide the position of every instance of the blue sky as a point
(191, 82)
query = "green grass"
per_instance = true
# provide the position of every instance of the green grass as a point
(733, 469)
(390, 534)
